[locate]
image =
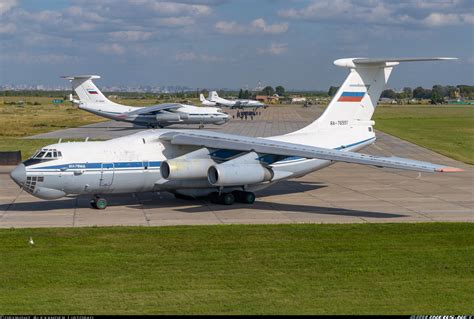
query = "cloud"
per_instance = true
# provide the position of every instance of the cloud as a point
(191, 56)
(130, 35)
(274, 49)
(447, 19)
(257, 26)
(404, 14)
(6, 5)
(176, 21)
(111, 49)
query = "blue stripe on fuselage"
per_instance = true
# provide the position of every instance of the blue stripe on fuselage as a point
(157, 164)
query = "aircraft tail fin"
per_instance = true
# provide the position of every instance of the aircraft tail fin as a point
(357, 97)
(213, 95)
(86, 89)
(201, 97)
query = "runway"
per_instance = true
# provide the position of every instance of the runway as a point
(342, 193)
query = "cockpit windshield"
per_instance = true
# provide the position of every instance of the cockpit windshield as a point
(48, 154)
(43, 155)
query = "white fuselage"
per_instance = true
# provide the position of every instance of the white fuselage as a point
(186, 114)
(236, 103)
(132, 164)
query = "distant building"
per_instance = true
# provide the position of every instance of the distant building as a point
(298, 100)
(268, 99)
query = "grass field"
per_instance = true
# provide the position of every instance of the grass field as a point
(237, 269)
(448, 130)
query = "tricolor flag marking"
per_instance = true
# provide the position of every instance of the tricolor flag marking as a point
(351, 97)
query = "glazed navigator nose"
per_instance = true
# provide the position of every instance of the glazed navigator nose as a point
(19, 174)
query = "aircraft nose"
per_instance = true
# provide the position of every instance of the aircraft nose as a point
(19, 174)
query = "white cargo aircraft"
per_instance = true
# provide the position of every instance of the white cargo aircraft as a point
(160, 115)
(214, 99)
(222, 166)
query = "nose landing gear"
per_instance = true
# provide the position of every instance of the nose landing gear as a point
(98, 203)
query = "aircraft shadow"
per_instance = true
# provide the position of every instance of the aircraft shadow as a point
(165, 200)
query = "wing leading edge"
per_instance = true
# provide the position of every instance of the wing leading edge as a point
(156, 108)
(267, 146)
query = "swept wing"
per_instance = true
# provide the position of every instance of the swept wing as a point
(267, 146)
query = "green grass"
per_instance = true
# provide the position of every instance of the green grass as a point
(448, 130)
(238, 269)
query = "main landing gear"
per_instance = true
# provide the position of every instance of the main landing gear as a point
(229, 198)
(98, 202)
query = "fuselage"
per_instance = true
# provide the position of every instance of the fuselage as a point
(237, 103)
(132, 164)
(186, 114)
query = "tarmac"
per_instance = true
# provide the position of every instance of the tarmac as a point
(341, 193)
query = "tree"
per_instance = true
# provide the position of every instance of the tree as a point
(390, 94)
(241, 94)
(280, 90)
(437, 94)
(268, 90)
(419, 93)
(407, 92)
(246, 94)
(332, 90)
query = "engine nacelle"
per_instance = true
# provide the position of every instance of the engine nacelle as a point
(228, 174)
(167, 117)
(179, 169)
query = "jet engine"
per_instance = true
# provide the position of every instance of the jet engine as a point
(193, 165)
(167, 117)
(177, 169)
(243, 170)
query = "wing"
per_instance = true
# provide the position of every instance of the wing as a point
(156, 108)
(267, 146)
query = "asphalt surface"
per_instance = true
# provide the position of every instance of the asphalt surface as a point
(342, 193)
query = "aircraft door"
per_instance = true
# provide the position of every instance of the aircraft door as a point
(106, 174)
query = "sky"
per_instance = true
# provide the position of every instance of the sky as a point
(232, 43)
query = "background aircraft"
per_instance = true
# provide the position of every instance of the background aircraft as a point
(214, 99)
(224, 167)
(92, 100)
(206, 102)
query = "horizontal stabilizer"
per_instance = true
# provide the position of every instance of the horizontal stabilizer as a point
(79, 77)
(354, 62)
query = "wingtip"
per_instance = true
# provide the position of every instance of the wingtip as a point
(449, 170)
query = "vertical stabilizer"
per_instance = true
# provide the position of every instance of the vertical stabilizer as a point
(357, 98)
(86, 90)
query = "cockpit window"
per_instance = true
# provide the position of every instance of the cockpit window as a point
(43, 155)
(39, 154)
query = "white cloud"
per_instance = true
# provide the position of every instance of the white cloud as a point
(186, 56)
(130, 35)
(191, 56)
(112, 49)
(447, 19)
(6, 5)
(8, 28)
(176, 21)
(257, 26)
(173, 8)
(274, 49)
(415, 13)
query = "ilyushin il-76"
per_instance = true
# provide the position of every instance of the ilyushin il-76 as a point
(223, 167)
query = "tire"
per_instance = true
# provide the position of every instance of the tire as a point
(227, 199)
(101, 203)
(244, 197)
(93, 204)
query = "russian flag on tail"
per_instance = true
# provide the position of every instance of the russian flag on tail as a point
(351, 97)
(92, 91)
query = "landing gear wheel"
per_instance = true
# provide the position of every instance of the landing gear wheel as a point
(244, 197)
(223, 199)
(99, 203)
(201, 126)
